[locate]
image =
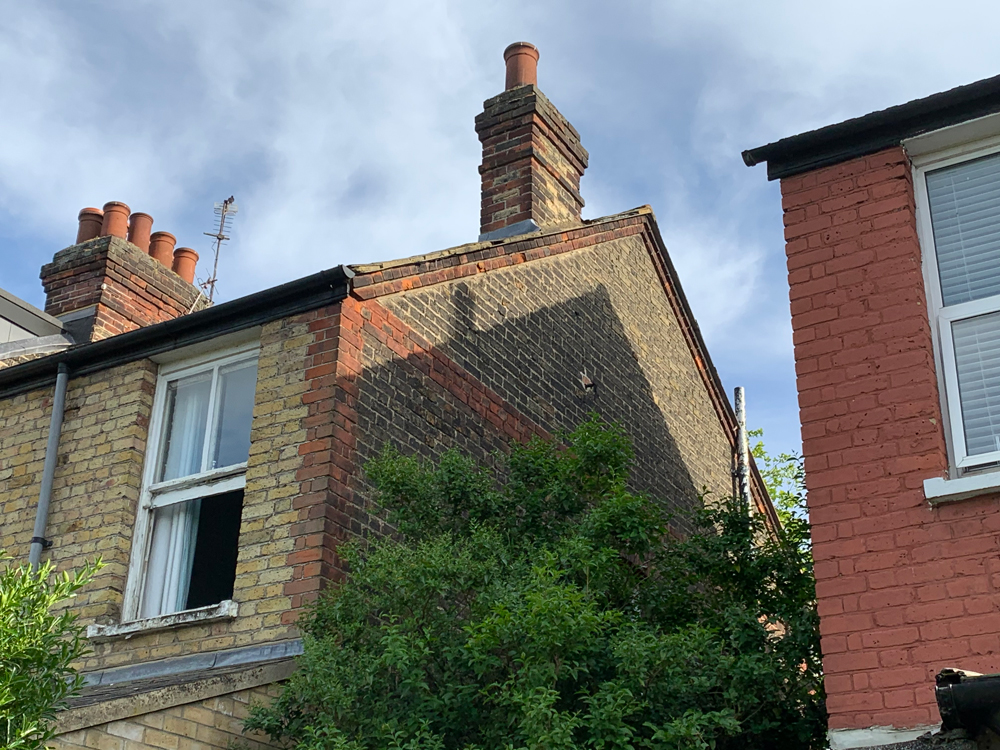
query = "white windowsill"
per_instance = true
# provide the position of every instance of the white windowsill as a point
(938, 490)
(224, 610)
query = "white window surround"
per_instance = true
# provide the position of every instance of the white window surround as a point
(224, 610)
(160, 494)
(930, 152)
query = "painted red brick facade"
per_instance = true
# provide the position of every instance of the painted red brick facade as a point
(904, 589)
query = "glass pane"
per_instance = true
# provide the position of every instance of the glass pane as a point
(235, 412)
(186, 420)
(965, 215)
(213, 569)
(977, 356)
(171, 554)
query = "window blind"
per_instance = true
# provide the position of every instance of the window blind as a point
(977, 356)
(965, 215)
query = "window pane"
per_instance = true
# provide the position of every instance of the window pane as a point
(977, 355)
(213, 570)
(192, 556)
(236, 393)
(187, 418)
(965, 215)
(171, 553)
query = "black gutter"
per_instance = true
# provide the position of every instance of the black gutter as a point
(876, 131)
(318, 290)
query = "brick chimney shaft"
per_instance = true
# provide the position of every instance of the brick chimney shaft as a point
(106, 284)
(532, 157)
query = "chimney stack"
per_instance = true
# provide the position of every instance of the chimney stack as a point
(532, 157)
(118, 276)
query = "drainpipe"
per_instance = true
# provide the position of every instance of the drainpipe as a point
(38, 540)
(741, 476)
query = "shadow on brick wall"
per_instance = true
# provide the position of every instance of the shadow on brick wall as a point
(534, 360)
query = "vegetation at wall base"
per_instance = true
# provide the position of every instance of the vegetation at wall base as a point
(546, 606)
(37, 647)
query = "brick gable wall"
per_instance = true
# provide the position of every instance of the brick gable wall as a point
(529, 330)
(904, 589)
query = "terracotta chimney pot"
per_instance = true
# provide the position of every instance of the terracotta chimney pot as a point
(185, 259)
(139, 226)
(115, 219)
(161, 247)
(522, 64)
(90, 224)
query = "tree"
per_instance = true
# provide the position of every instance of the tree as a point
(545, 606)
(785, 478)
(37, 648)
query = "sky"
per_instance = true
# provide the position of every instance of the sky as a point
(345, 130)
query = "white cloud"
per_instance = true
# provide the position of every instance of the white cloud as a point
(345, 130)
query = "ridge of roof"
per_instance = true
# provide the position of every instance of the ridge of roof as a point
(361, 269)
(860, 136)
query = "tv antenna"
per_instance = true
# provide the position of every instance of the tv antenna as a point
(224, 211)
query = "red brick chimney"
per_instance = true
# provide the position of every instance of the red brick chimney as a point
(532, 157)
(115, 279)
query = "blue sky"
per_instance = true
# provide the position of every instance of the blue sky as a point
(345, 129)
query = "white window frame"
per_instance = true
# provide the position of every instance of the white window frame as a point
(942, 317)
(160, 494)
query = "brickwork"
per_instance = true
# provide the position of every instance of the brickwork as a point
(532, 161)
(528, 330)
(413, 396)
(97, 481)
(904, 589)
(465, 350)
(129, 289)
(212, 723)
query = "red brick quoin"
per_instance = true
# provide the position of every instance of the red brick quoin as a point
(904, 589)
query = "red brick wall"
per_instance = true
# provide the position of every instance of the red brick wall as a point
(903, 589)
(126, 287)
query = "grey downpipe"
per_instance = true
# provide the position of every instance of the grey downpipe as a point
(38, 540)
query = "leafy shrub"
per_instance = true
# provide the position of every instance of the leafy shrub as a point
(37, 648)
(553, 608)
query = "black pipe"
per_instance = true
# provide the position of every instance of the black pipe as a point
(968, 701)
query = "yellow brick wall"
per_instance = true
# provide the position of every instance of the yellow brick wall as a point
(213, 723)
(98, 481)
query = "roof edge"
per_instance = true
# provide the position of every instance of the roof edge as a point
(875, 131)
(362, 269)
(710, 375)
(300, 295)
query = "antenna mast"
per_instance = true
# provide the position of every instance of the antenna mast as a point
(224, 211)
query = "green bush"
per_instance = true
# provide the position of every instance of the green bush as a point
(36, 650)
(546, 606)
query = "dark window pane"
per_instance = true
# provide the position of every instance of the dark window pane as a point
(213, 571)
